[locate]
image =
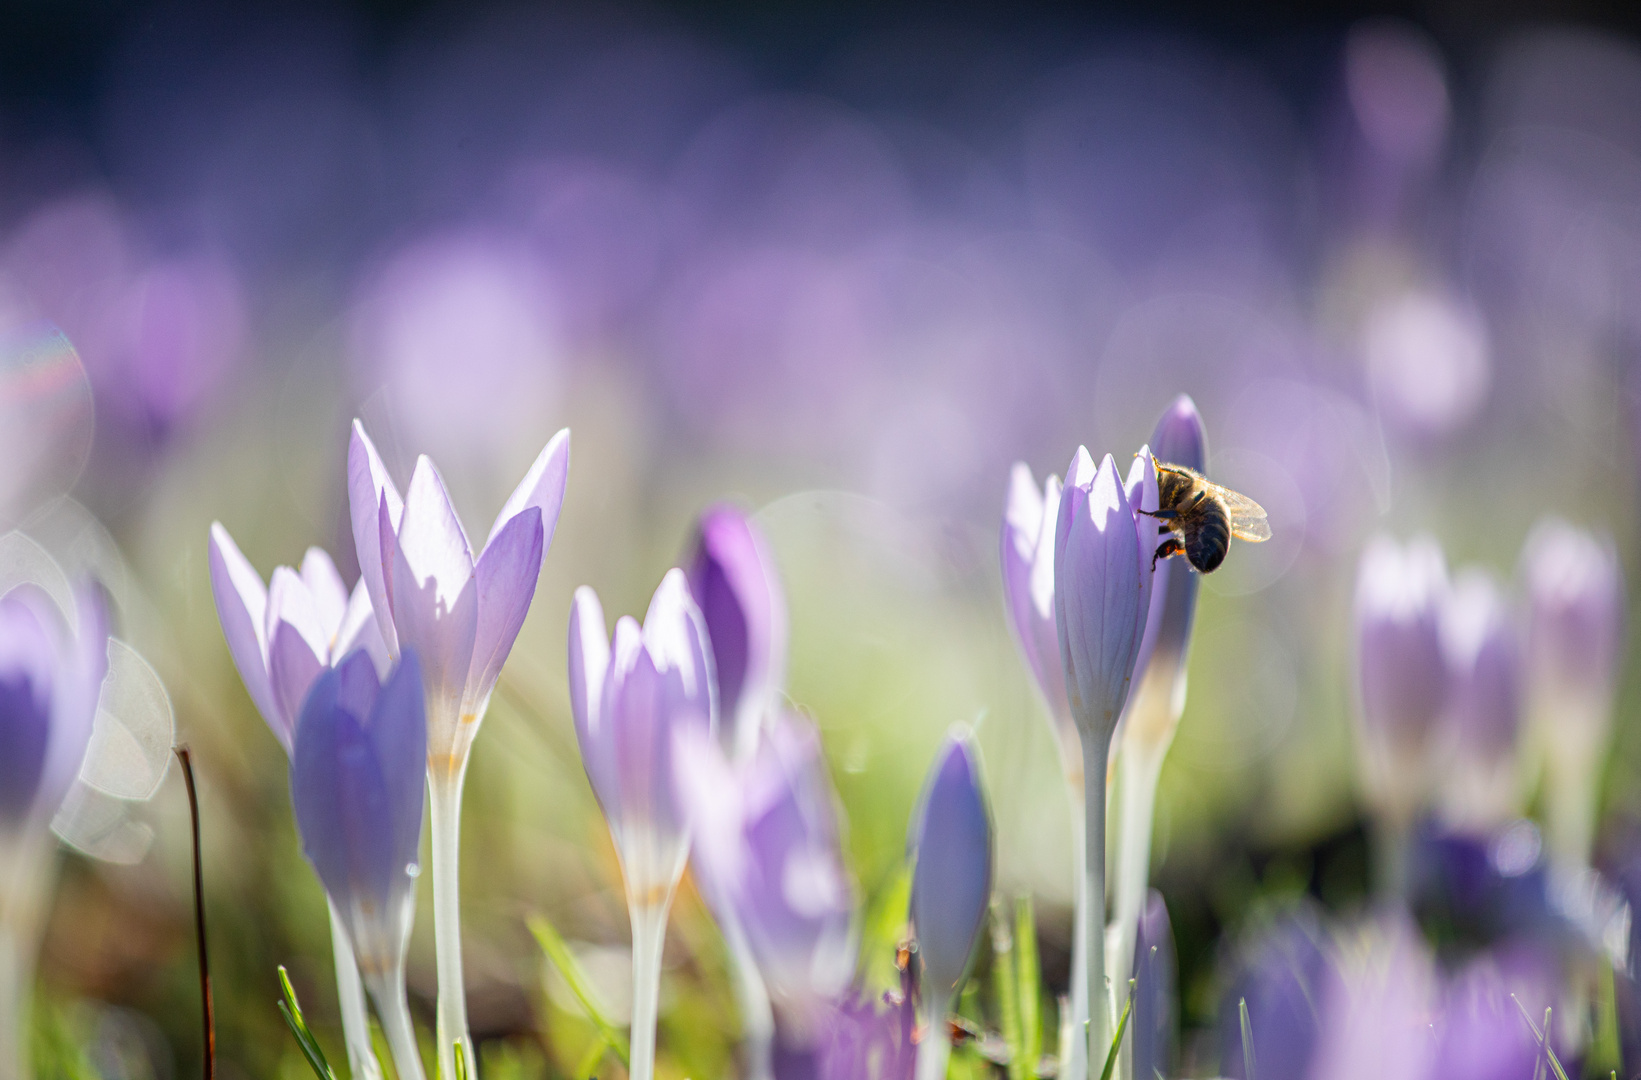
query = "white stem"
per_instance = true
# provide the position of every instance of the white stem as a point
(16, 977)
(1139, 767)
(936, 1046)
(445, 809)
(27, 873)
(387, 989)
(752, 998)
(649, 935)
(1571, 790)
(1076, 1018)
(1095, 753)
(350, 999)
(1391, 855)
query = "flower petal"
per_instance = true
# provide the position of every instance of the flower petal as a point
(506, 578)
(951, 884)
(242, 604)
(360, 630)
(542, 487)
(589, 668)
(398, 730)
(440, 628)
(290, 602)
(292, 668)
(369, 490)
(330, 596)
(430, 536)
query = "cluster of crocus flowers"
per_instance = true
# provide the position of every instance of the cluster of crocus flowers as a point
(282, 636)
(1448, 673)
(52, 663)
(461, 613)
(635, 698)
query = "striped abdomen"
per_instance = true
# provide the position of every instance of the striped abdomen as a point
(1207, 535)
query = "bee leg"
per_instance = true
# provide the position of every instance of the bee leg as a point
(1160, 515)
(1168, 547)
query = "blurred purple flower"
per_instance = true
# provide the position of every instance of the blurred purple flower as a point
(1481, 1031)
(1428, 360)
(282, 635)
(1401, 677)
(862, 1041)
(1102, 586)
(460, 613)
(1481, 644)
(357, 770)
(1154, 982)
(1028, 594)
(1376, 1017)
(1575, 629)
(765, 835)
(1283, 979)
(50, 679)
(632, 700)
(733, 579)
(1487, 886)
(951, 844)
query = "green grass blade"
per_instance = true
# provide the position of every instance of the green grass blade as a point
(1116, 1040)
(1247, 1039)
(1543, 1037)
(586, 1068)
(1606, 1051)
(291, 1010)
(1029, 981)
(558, 951)
(1006, 992)
(461, 1061)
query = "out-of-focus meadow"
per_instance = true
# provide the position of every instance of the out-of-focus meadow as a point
(1401, 280)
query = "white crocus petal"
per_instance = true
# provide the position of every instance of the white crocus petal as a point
(330, 595)
(242, 606)
(430, 536)
(359, 630)
(290, 602)
(1024, 512)
(1042, 559)
(371, 497)
(542, 486)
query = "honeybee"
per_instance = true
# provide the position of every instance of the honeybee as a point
(1201, 517)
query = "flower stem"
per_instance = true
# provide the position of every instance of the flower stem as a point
(936, 1046)
(649, 934)
(752, 998)
(1076, 1063)
(350, 998)
(387, 989)
(445, 808)
(1095, 753)
(27, 872)
(16, 975)
(1139, 768)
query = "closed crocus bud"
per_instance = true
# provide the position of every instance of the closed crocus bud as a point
(1179, 439)
(951, 887)
(1028, 596)
(766, 837)
(1154, 981)
(283, 634)
(1401, 672)
(735, 584)
(1575, 637)
(1102, 586)
(1481, 647)
(357, 772)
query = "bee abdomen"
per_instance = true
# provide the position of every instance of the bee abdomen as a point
(1208, 543)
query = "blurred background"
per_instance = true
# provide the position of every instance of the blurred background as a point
(845, 267)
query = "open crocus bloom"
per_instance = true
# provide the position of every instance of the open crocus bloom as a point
(460, 613)
(632, 700)
(283, 634)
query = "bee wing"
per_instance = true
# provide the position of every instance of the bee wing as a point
(1247, 517)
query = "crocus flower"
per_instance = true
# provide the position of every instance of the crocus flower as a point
(951, 887)
(1401, 685)
(1285, 975)
(735, 584)
(357, 770)
(634, 700)
(1481, 1033)
(767, 850)
(1028, 595)
(1103, 551)
(51, 673)
(461, 614)
(1484, 703)
(1375, 1017)
(1575, 636)
(282, 636)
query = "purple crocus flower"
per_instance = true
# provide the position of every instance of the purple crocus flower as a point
(1401, 674)
(459, 612)
(1286, 974)
(1028, 595)
(283, 634)
(357, 769)
(50, 678)
(767, 847)
(1481, 1032)
(951, 887)
(1154, 980)
(1375, 1018)
(1484, 708)
(1178, 439)
(735, 584)
(634, 701)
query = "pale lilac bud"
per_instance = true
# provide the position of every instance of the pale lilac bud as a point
(631, 700)
(1179, 439)
(734, 581)
(1028, 590)
(1102, 573)
(1575, 625)
(951, 882)
(1154, 982)
(1401, 674)
(1483, 721)
(1282, 981)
